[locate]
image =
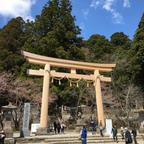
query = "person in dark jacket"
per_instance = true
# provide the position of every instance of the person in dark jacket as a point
(114, 131)
(2, 137)
(128, 138)
(101, 128)
(84, 135)
(58, 127)
(134, 132)
(55, 126)
(92, 124)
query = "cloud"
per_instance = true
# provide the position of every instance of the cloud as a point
(116, 16)
(95, 3)
(108, 6)
(126, 4)
(82, 26)
(30, 18)
(85, 13)
(15, 8)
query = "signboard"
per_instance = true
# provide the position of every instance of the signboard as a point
(26, 118)
(109, 127)
(34, 127)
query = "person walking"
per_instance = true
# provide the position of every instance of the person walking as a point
(58, 127)
(128, 138)
(2, 137)
(92, 124)
(101, 130)
(134, 132)
(84, 135)
(114, 131)
(122, 132)
(55, 127)
(63, 127)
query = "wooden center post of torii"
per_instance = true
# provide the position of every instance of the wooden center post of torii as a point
(73, 65)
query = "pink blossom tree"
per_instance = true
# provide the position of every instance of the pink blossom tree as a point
(6, 80)
(22, 92)
(19, 92)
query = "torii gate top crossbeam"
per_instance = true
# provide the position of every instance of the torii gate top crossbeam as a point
(43, 60)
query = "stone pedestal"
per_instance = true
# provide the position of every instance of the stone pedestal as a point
(8, 129)
(9, 141)
(79, 125)
(8, 125)
(141, 121)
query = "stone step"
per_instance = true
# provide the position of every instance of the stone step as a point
(66, 140)
(79, 142)
(69, 142)
(69, 137)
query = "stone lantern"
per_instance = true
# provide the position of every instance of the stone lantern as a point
(8, 119)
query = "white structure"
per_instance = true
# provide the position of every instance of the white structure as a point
(109, 127)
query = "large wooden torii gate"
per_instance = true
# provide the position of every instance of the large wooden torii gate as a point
(73, 65)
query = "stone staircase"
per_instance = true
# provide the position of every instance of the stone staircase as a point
(69, 138)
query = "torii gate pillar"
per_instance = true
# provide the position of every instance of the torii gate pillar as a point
(99, 103)
(45, 94)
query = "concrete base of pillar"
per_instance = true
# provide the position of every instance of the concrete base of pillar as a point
(24, 133)
(9, 134)
(141, 130)
(78, 129)
(42, 131)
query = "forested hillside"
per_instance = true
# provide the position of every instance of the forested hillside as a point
(55, 34)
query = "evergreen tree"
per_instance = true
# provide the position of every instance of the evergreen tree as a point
(120, 39)
(54, 32)
(99, 48)
(11, 41)
(136, 54)
(121, 44)
(129, 70)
